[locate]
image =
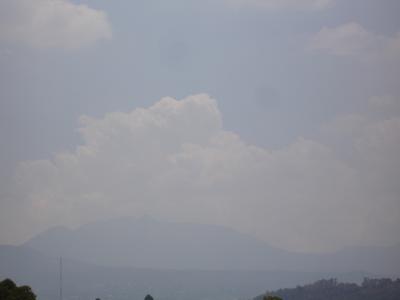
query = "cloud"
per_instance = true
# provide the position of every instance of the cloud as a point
(372, 137)
(174, 160)
(351, 39)
(52, 24)
(275, 5)
(386, 105)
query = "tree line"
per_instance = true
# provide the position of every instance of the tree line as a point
(331, 289)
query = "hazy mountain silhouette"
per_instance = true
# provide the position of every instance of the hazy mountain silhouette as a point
(147, 243)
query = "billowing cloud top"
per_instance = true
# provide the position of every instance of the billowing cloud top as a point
(174, 160)
(51, 23)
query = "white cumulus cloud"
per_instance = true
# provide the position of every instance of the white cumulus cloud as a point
(174, 160)
(52, 23)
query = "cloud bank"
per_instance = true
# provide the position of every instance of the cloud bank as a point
(276, 5)
(352, 39)
(174, 160)
(51, 24)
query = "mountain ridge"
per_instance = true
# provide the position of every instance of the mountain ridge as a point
(148, 243)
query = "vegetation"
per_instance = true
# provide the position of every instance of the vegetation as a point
(10, 291)
(382, 289)
(271, 298)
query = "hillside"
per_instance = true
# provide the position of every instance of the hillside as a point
(383, 289)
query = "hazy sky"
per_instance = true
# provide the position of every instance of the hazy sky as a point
(279, 118)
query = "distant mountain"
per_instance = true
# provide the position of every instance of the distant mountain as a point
(382, 289)
(147, 243)
(83, 281)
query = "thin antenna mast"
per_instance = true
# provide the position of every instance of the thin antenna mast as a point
(61, 269)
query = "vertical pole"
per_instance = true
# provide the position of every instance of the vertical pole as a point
(61, 295)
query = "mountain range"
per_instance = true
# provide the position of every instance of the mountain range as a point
(148, 243)
(129, 257)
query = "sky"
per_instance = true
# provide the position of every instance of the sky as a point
(277, 118)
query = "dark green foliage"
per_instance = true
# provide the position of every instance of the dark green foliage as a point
(10, 291)
(148, 297)
(271, 298)
(382, 289)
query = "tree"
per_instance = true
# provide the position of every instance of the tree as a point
(10, 291)
(269, 297)
(148, 297)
